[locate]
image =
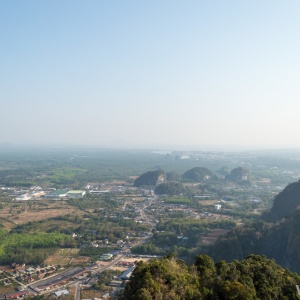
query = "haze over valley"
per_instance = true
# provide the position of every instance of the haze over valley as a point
(149, 150)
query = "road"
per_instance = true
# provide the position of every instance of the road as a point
(144, 217)
(77, 291)
(77, 283)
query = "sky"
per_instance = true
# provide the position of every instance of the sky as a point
(150, 74)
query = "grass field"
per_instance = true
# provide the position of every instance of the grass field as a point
(66, 256)
(8, 288)
(22, 212)
(208, 202)
(177, 200)
(90, 294)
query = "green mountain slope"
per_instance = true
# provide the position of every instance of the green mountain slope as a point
(255, 277)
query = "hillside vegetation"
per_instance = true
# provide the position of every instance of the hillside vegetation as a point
(197, 174)
(151, 178)
(255, 277)
(278, 239)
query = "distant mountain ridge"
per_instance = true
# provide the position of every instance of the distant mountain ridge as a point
(197, 174)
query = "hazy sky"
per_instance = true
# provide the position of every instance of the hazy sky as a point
(152, 74)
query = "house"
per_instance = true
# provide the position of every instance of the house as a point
(218, 206)
(107, 256)
(15, 295)
(61, 292)
(116, 283)
(57, 194)
(76, 194)
(126, 274)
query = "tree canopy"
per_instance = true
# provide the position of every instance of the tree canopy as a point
(255, 277)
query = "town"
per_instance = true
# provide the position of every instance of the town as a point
(82, 240)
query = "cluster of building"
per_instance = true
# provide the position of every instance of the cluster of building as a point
(53, 194)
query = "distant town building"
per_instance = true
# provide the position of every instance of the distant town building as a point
(218, 206)
(126, 274)
(107, 256)
(57, 194)
(76, 194)
(61, 292)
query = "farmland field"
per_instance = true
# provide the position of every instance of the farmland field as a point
(17, 213)
(177, 200)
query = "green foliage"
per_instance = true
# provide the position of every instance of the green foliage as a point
(104, 279)
(29, 248)
(171, 188)
(94, 251)
(255, 277)
(164, 279)
(94, 202)
(240, 175)
(198, 174)
(280, 241)
(177, 200)
(3, 232)
(189, 227)
(147, 249)
(172, 176)
(64, 175)
(150, 178)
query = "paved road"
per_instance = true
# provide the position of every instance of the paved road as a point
(77, 291)
(78, 282)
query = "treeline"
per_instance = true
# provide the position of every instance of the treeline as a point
(196, 226)
(94, 253)
(255, 277)
(94, 202)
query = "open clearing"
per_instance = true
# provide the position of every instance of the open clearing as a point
(65, 257)
(22, 212)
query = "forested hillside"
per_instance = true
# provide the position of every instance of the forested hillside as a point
(255, 277)
(279, 239)
(284, 203)
(151, 178)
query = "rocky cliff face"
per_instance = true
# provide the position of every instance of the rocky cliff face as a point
(279, 241)
(198, 174)
(240, 175)
(279, 238)
(151, 178)
(285, 203)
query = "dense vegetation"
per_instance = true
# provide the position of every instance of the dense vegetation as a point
(255, 277)
(97, 218)
(180, 235)
(30, 248)
(284, 203)
(240, 175)
(280, 241)
(197, 174)
(171, 188)
(150, 179)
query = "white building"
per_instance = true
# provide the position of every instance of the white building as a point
(218, 206)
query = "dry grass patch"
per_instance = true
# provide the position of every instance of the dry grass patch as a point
(90, 294)
(64, 257)
(208, 202)
(21, 213)
(8, 288)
